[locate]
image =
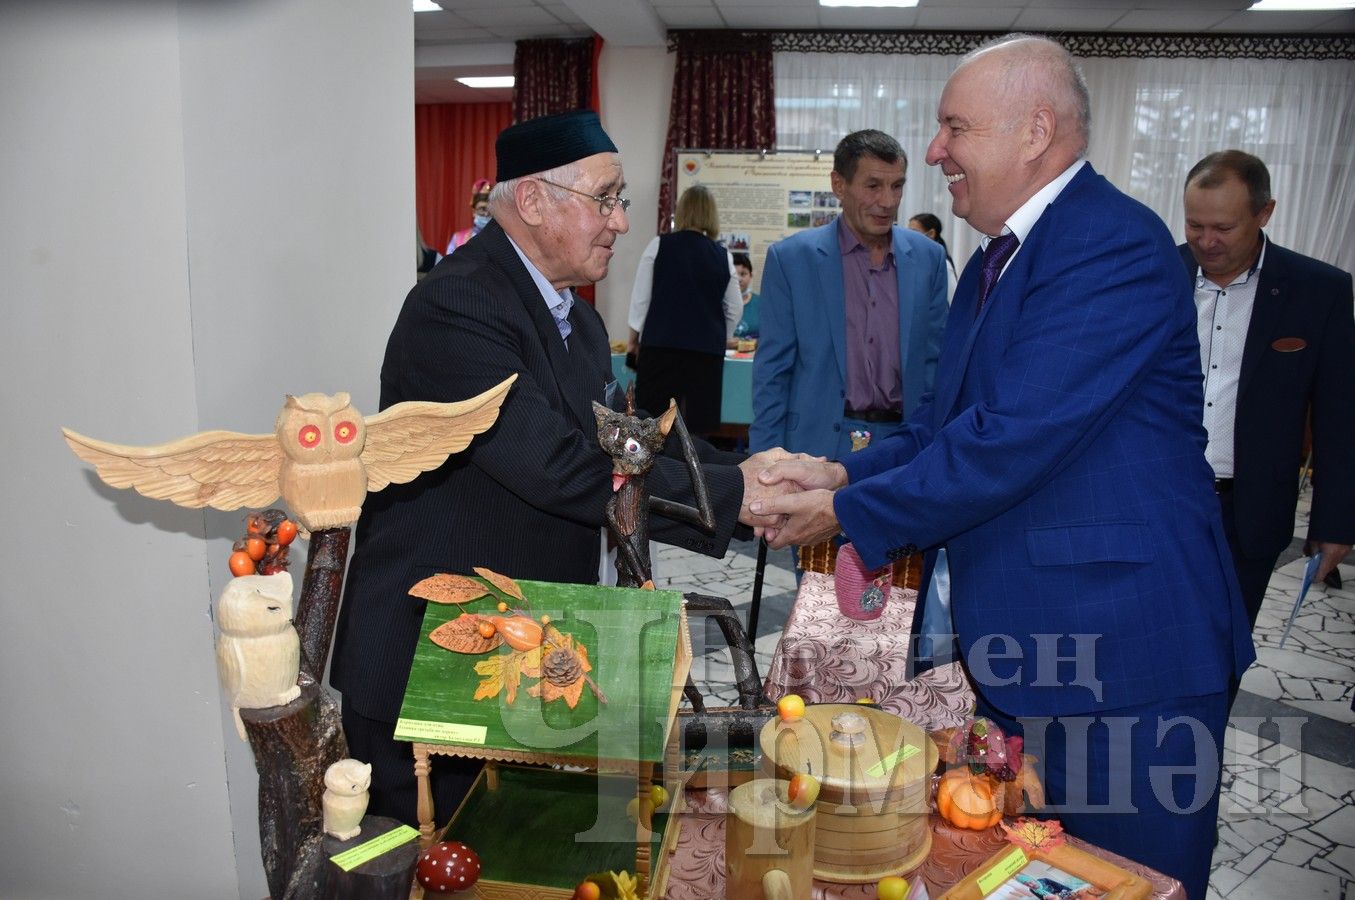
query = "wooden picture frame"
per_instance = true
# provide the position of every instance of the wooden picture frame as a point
(1118, 883)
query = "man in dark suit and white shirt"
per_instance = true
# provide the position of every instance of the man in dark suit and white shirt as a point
(1277, 339)
(527, 498)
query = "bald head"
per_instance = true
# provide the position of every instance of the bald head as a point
(1026, 72)
(1013, 117)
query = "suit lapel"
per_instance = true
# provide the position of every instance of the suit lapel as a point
(584, 379)
(1012, 281)
(1265, 316)
(567, 373)
(832, 295)
(959, 341)
(906, 277)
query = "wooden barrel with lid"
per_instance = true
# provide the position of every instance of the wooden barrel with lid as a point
(873, 769)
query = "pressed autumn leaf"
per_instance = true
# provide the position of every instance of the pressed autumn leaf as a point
(503, 672)
(502, 582)
(492, 669)
(462, 635)
(448, 589)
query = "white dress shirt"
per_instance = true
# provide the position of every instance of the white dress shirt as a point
(1223, 316)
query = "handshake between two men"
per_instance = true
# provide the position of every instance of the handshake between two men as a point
(788, 497)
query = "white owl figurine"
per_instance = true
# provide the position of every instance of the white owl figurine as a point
(258, 652)
(345, 800)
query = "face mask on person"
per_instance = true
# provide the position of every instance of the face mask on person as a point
(481, 221)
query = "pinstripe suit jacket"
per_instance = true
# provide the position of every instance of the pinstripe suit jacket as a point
(1061, 463)
(526, 498)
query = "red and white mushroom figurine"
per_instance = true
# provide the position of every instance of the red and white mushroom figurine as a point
(448, 867)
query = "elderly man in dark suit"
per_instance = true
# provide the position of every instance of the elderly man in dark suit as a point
(1277, 338)
(527, 498)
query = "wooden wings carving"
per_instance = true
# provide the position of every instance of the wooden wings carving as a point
(322, 458)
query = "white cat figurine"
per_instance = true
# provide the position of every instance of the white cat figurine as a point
(258, 652)
(345, 799)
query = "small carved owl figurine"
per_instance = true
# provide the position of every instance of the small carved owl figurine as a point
(258, 652)
(345, 800)
(322, 437)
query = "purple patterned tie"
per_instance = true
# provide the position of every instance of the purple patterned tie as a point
(995, 256)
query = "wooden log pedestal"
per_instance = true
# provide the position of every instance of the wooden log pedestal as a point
(293, 746)
(386, 877)
(769, 844)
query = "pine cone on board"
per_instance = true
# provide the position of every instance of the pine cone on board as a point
(561, 668)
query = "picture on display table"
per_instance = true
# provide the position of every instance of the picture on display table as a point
(822, 217)
(797, 220)
(826, 199)
(1041, 881)
(799, 198)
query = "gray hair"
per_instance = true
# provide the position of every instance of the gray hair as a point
(1043, 69)
(503, 194)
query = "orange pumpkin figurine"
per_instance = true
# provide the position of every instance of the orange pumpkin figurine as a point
(968, 801)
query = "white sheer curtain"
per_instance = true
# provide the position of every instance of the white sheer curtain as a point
(1152, 119)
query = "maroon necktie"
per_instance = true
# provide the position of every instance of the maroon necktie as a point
(995, 256)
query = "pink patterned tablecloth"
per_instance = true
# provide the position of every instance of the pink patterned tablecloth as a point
(826, 657)
(697, 869)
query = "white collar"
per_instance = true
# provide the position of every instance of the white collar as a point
(558, 302)
(1023, 220)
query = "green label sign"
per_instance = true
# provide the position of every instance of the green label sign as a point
(890, 762)
(1006, 867)
(396, 837)
(439, 732)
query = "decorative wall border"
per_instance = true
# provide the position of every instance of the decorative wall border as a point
(1083, 44)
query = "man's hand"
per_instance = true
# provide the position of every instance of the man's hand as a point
(755, 489)
(807, 517)
(806, 473)
(1332, 554)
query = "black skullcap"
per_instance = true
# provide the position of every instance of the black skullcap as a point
(541, 144)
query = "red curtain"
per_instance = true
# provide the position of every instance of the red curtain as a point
(723, 96)
(554, 76)
(453, 147)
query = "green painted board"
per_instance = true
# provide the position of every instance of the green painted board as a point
(631, 638)
(551, 828)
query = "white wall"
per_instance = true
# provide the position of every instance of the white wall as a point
(206, 206)
(636, 87)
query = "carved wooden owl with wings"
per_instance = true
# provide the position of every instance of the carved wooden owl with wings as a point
(322, 457)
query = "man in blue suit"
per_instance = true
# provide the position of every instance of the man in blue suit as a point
(852, 313)
(1277, 339)
(1061, 465)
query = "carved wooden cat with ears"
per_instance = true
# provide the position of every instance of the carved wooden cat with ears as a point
(633, 444)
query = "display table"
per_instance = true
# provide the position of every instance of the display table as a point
(826, 657)
(736, 399)
(698, 865)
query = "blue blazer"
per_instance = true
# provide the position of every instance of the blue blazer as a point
(800, 369)
(1296, 298)
(1061, 463)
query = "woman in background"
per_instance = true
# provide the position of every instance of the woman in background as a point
(683, 309)
(746, 330)
(930, 225)
(479, 204)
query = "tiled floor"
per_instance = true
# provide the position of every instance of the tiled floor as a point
(1287, 814)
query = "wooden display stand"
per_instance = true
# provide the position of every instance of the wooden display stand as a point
(640, 650)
